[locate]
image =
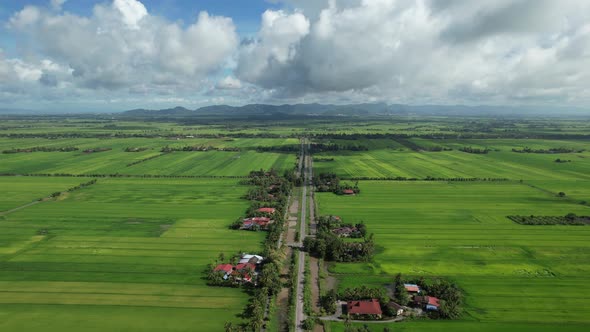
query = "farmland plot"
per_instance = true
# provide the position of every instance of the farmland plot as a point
(132, 250)
(510, 273)
(388, 163)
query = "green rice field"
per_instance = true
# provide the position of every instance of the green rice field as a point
(117, 161)
(120, 255)
(392, 162)
(512, 275)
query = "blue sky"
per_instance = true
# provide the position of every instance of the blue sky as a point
(104, 55)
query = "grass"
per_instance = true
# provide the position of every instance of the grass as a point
(510, 273)
(132, 250)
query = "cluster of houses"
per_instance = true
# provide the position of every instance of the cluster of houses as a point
(372, 307)
(429, 303)
(259, 222)
(245, 271)
(345, 231)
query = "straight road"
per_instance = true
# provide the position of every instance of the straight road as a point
(307, 173)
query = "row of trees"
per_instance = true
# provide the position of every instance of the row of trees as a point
(94, 150)
(135, 149)
(80, 186)
(473, 150)
(189, 148)
(526, 149)
(118, 175)
(41, 149)
(568, 219)
(428, 178)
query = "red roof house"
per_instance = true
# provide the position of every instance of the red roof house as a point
(364, 307)
(348, 192)
(243, 266)
(412, 288)
(266, 210)
(260, 221)
(227, 268)
(427, 302)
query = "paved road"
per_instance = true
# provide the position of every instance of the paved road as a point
(299, 314)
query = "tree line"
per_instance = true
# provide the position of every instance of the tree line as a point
(469, 149)
(190, 148)
(526, 149)
(568, 219)
(41, 149)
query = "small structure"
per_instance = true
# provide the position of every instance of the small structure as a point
(344, 231)
(398, 309)
(412, 289)
(268, 210)
(348, 192)
(364, 307)
(254, 259)
(427, 302)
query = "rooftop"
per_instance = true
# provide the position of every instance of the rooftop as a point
(364, 307)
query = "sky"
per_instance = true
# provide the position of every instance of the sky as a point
(109, 55)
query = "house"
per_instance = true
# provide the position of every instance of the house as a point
(244, 270)
(254, 259)
(394, 307)
(344, 231)
(266, 210)
(226, 268)
(261, 222)
(412, 289)
(241, 272)
(364, 307)
(348, 192)
(427, 302)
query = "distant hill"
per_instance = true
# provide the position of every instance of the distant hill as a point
(288, 111)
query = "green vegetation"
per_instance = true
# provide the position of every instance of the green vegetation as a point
(132, 250)
(510, 273)
(568, 219)
(127, 249)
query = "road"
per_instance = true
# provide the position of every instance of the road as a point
(299, 314)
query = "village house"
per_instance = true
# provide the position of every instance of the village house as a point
(427, 302)
(254, 259)
(348, 192)
(268, 210)
(226, 268)
(344, 231)
(241, 272)
(412, 289)
(364, 307)
(261, 222)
